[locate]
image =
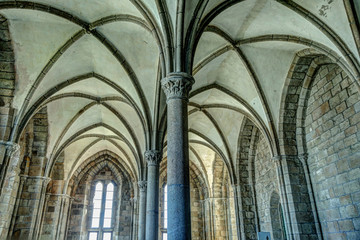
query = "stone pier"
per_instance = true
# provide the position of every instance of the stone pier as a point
(177, 87)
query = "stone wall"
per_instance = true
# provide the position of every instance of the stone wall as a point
(39, 145)
(52, 217)
(55, 209)
(277, 217)
(332, 129)
(9, 179)
(7, 84)
(9, 193)
(32, 193)
(231, 211)
(125, 213)
(219, 199)
(29, 213)
(81, 208)
(78, 209)
(266, 182)
(248, 140)
(197, 225)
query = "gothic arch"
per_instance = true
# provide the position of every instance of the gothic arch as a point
(80, 186)
(247, 146)
(304, 68)
(98, 160)
(299, 99)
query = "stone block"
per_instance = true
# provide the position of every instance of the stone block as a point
(336, 89)
(346, 225)
(332, 226)
(337, 236)
(355, 119)
(6, 84)
(349, 211)
(356, 222)
(357, 107)
(353, 235)
(351, 140)
(324, 108)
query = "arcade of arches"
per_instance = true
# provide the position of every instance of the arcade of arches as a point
(179, 119)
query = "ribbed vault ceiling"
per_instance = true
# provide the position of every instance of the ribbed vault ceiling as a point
(97, 66)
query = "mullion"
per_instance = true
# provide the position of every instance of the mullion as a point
(102, 212)
(107, 209)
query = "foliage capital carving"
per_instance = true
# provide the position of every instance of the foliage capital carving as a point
(142, 185)
(177, 85)
(153, 157)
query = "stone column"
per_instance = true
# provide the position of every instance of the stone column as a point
(67, 222)
(37, 222)
(142, 209)
(177, 87)
(63, 216)
(133, 219)
(63, 219)
(153, 157)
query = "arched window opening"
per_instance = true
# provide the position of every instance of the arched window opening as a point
(282, 223)
(277, 218)
(165, 215)
(101, 226)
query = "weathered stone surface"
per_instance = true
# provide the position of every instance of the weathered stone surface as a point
(331, 173)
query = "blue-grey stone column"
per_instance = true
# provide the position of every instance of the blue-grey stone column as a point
(177, 87)
(153, 158)
(142, 209)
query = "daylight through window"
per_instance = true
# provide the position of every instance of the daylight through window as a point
(102, 214)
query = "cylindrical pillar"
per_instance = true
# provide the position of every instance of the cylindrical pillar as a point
(153, 157)
(142, 209)
(177, 87)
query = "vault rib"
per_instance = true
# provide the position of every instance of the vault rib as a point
(83, 130)
(51, 10)
(73, 80)
(80, 113)
(91, 145)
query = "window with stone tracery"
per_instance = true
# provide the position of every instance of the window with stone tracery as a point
(165, 215)
(101, 223)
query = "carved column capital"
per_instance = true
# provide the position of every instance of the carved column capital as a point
(177, 85)
(153, 157)
(142, 185)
